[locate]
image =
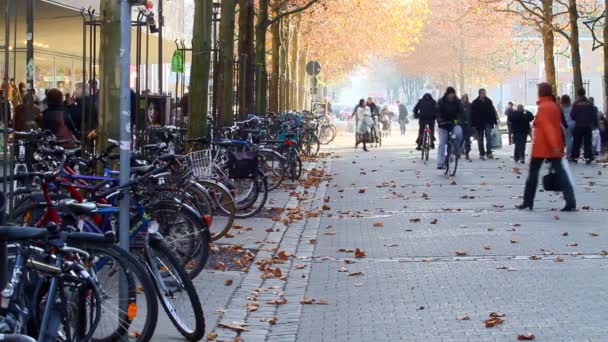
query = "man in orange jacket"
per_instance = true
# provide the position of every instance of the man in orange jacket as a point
(548, 146)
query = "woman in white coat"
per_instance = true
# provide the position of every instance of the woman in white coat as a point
(363, 124)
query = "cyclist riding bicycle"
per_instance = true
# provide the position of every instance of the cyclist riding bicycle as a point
(449, 109)
(426, 113)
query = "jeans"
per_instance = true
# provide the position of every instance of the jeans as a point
(582, 136)
(443, 143)
(484, 133)
(532, 182)
(520, 139)
(596, 141)
(402, 127)
(467, 134)
(569, 144)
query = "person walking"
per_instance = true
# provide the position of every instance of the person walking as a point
(449, 110)
(483, 119)
(519, 121)
(548, 146)
(56, 119)
(364, 121)
(584, 115)
(403, 120)
(596, 137)
(465, 124)
(566, 106)
(426, 113)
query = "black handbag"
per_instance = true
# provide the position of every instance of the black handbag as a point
(243, 165)
(552, 181)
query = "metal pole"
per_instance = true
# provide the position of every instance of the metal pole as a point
(83, 131)
(125, 118)
(161, 23)
(6, 104)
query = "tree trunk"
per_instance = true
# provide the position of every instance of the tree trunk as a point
(261, 76)
(199, 70)
(109, 61)
(577, 73)
(225, 87)
(549, 43)
(605, 58)
(275, 30)
(284, 66)
(293, 65)
(247, 57)
(302, 84)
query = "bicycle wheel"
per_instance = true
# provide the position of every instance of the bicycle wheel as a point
(451, 161)
(185, 232)
(273, 165)
(310, 144)
(175, 289)
(257, 201)
(327, 134)
(427, 146)
(130, 319)
(224, 208)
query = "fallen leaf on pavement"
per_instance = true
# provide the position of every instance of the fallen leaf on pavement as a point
(492, 322)
(219, 266)
(360, 253)
(211, 336)
(526, 337)
(271, 321)
(277, 301)
(565, 234)
(573, 244)
(414, 220)
(379, 224)
(434, 221)
(312, 241)
(586, 207)
(329, 233)
(391, 245)
(462, 253)
(349, 261)
(604, 252)
(497, 314)
(594, 234)
(517, 171)
(252, 306)
(228, 282)
(559, 259)
(463, 318)
(282, 255)
(326, 207)
(355, 274)
(362, 190)
(487, 247)
(346, 250)
(308, 301)
(506, 268)
(514, 241)
(236, 326)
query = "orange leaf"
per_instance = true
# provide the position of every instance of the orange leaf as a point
(360, 253)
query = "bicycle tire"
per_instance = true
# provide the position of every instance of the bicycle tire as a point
(451, 161)
(185, 232)
(139, 285)
(224, 207)
(310, 144)
(273, 165)
(170, 278)
(254, 208)
(327, 134)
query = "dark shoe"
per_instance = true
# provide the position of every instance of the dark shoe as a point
(490, 156)
(524, 207)
(482, 158)
(466, 156)
(588, 161)
(568, 209)
(440, 167)
(522, 161)
(365, 149)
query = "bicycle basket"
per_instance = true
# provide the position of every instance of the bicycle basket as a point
(201, 164)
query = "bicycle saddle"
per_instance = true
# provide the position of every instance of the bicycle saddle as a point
(21, 234)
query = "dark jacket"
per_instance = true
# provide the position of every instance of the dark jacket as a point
(373, 109)
(520, 121)
(426, 110)
(584, 114)
(483, 113)
(465, 119)
(448, 112)
(57, 120)
(402, 113)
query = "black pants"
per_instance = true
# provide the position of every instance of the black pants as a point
(582, 136)
(484, 133)
(532, 182)
(467, 134)
(520, 139)
(421, 126)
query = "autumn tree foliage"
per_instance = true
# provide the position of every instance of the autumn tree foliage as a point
(457, 42)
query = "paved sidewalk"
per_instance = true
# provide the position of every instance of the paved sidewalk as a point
(439, 256)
